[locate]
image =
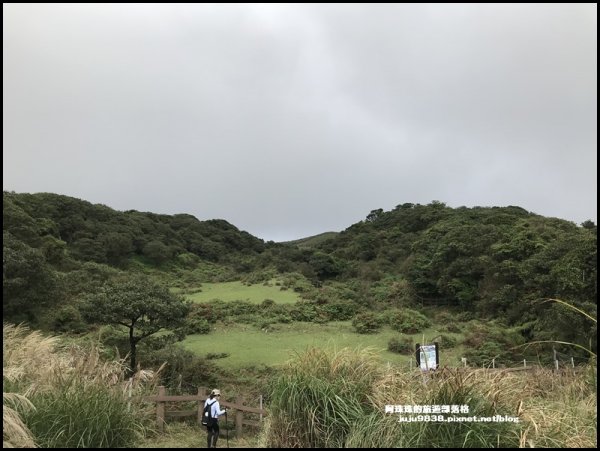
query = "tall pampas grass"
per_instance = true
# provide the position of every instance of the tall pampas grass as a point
(325, 399)
(319, 396)
(68, 396)
(15, 432)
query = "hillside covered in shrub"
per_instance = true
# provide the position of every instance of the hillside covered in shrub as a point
(489, 262)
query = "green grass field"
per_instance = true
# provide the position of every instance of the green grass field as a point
(247, 345)
(237, 291)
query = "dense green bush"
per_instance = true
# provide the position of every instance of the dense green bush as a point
(235, 308)
(205, 311)
(303, 311)
(452, 328)
(409, 321)
(267, 303)
(483, 354)
(446, 341)
(283, 318)
(366, 323)
(401, 345)
(296, 282)
(183, 368)
(487, 341)
(114, 337)
(340, 310)
(258, 277)
(66, 319)
(393, 291)
(196, 326)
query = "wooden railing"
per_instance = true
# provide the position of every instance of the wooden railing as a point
(162, 414)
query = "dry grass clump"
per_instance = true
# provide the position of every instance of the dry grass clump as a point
(68, 396)
(564, 415)
(15, 432)
(28, 357)
(338, 400)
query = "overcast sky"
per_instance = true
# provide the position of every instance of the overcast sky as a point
(292, 120)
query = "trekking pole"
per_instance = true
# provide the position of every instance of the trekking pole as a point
(226, 429)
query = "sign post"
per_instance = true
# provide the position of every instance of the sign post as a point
(428, 356)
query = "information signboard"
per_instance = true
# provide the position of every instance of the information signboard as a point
(427, 356)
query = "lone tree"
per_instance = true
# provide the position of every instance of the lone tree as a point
(139, 304)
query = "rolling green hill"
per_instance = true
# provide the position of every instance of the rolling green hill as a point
(488, 262)
(312, 241)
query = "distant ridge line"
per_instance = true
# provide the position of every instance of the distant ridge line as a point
(311, 241)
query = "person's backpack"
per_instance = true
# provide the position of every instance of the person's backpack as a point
(207, 415)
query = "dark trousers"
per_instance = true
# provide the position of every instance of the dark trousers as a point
(213, 434)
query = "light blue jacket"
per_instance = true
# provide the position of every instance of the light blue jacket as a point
(215, 407)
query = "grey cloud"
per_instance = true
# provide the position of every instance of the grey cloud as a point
(291, 120)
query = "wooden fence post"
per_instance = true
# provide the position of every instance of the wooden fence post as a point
(162, 413)
(130, 388)
(200, 405)
(239, 418)
(160, 410)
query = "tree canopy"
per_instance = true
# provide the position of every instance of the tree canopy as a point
(139, 304)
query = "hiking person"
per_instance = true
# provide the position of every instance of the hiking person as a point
(213, 409)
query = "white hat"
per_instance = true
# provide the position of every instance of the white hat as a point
(215, 392)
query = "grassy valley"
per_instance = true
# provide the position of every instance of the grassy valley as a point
(201, 303)
(237, 291)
